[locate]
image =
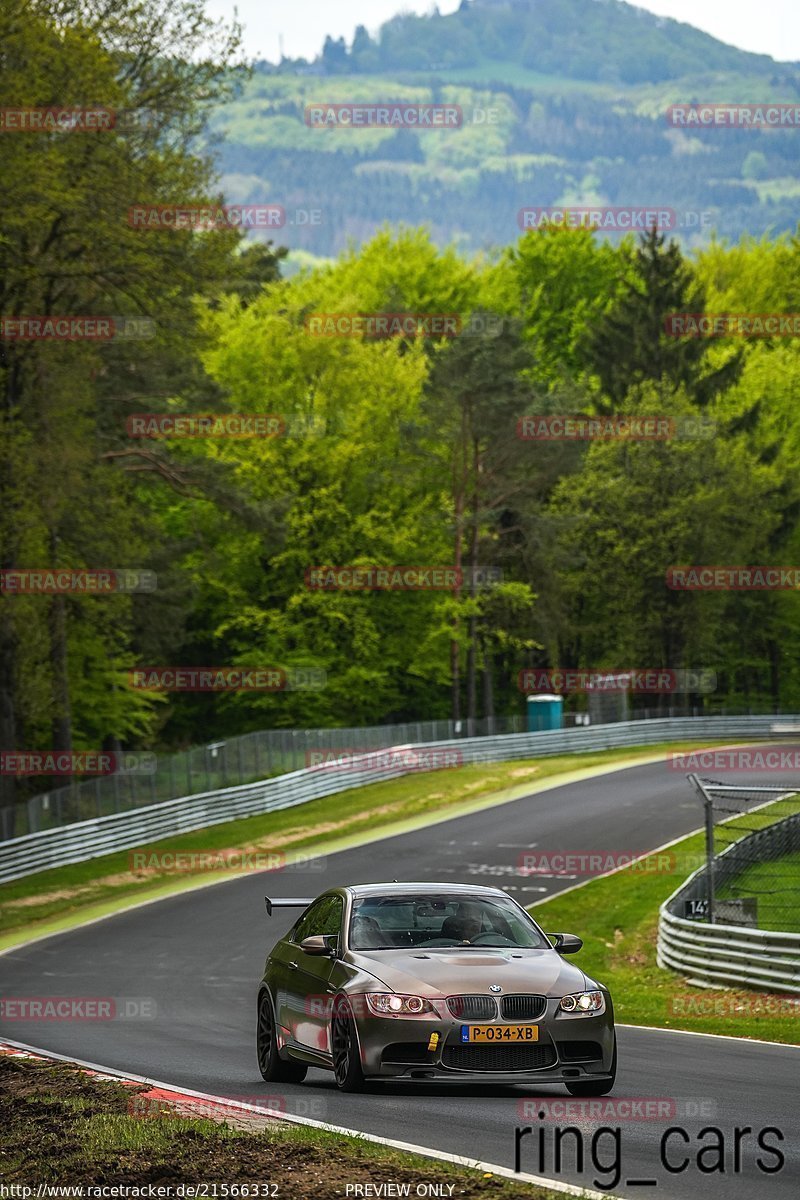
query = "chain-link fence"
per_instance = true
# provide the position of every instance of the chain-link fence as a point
(222, 764)
(233, 761)
(752, 856)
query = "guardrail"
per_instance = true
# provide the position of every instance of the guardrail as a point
(226, 763)
(732, 955)
(123, 831)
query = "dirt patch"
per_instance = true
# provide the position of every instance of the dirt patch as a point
(65, 1127)
(145, 874)
(47, 897)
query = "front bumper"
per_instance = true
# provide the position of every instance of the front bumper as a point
(570, 1047)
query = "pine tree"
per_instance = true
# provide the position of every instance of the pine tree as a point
(630, 344)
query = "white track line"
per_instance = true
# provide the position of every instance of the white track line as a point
(649, 853)
(596, 773)
(369, 839)
(556, 1185)
(727, 1037)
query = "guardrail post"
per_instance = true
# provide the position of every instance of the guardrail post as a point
(89, 838)
(708, 806)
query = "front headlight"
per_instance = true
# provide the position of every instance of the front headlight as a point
(389, 1004)
(583, 1002)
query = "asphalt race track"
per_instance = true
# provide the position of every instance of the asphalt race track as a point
(196, 960)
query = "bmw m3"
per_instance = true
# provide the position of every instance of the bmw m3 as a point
(430, 981)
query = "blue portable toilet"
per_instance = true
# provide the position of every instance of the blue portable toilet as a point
(545, 712)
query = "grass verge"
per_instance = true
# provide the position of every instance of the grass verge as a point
(64, 1127)
(62, 897)
(776, 884)
(617, 917)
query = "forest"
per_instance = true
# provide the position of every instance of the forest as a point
(359, 448)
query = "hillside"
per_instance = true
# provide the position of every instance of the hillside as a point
(570, 97)
(603, 40)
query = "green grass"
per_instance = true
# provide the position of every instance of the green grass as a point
(61, 1126)
(66, 895)
(776, 884)
(617, 917)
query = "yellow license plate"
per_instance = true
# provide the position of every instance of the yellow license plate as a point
(499, 1033)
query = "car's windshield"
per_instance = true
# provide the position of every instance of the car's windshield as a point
(435, 920)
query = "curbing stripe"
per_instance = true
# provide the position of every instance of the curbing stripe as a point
(556, 1185)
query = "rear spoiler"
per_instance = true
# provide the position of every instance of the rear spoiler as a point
(286, 904)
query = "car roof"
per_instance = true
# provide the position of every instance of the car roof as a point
(359, 891)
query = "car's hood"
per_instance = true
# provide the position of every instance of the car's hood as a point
(453, 972)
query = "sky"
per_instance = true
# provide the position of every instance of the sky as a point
(299, 27)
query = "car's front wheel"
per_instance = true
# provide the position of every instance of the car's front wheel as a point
(270, 1064)
(344, 1048)
(588, 1087)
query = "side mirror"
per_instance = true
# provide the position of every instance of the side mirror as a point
(318, 946)
(566, 943)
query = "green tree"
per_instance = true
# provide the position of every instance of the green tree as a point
(560, 280)
(630, 344)
(634, 510)
(66, 249)
(477, 395)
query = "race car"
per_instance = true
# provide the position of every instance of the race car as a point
(430, 981)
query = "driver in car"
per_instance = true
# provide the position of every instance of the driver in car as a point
(464, 926)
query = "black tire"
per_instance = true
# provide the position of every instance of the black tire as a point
(273, 1068)
(588, 1087)
(344, 1048)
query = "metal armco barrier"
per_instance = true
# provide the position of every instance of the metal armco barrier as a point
(732, 955)
(729, 955)
(137, 827)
